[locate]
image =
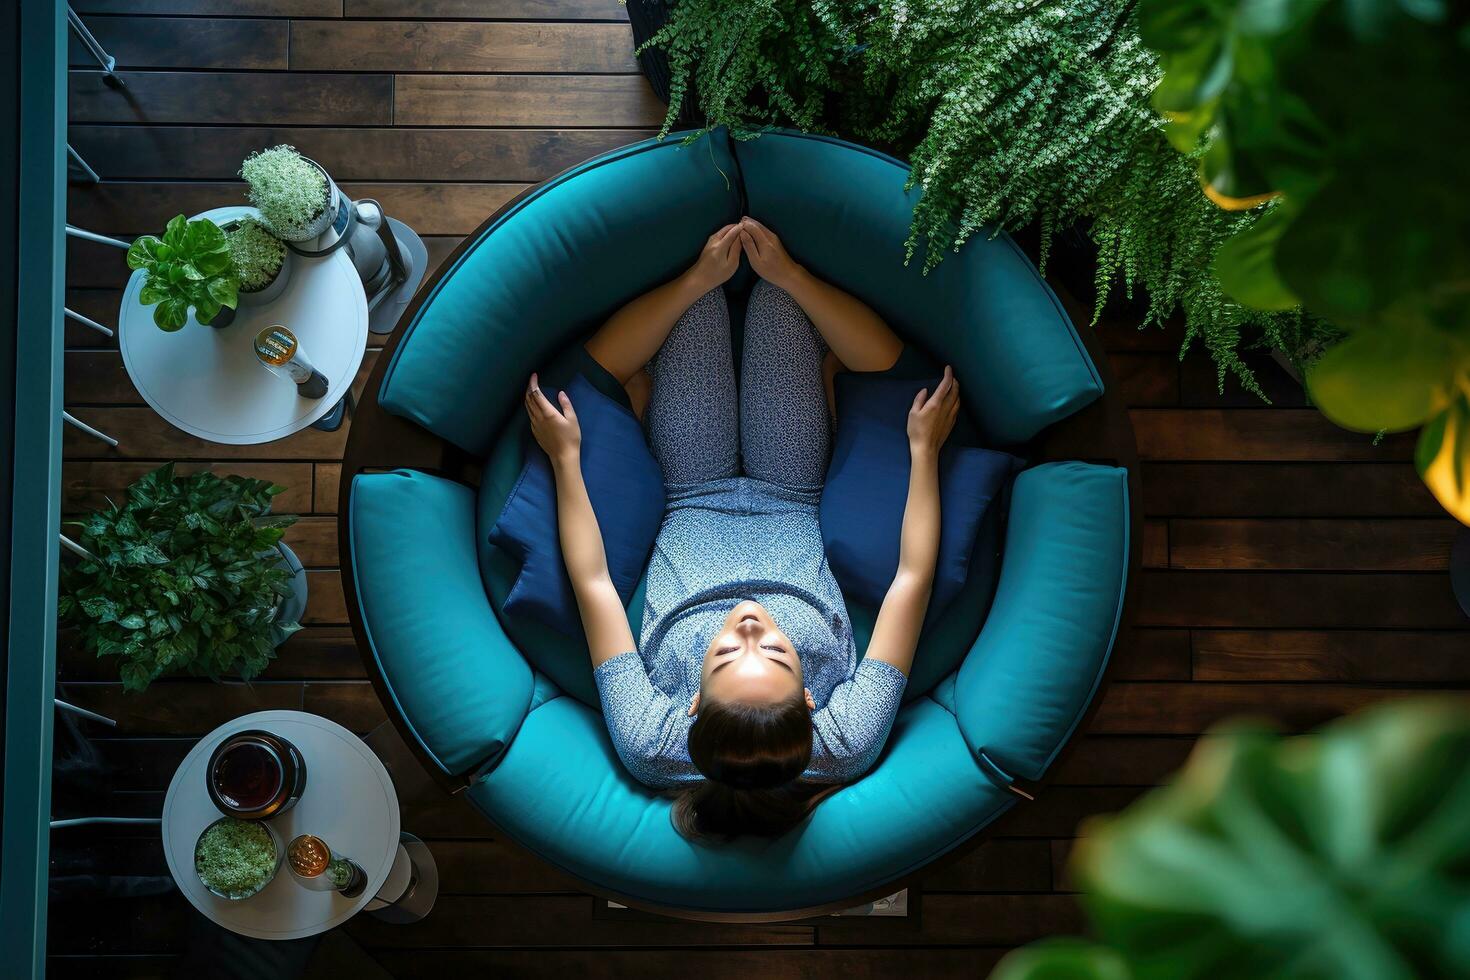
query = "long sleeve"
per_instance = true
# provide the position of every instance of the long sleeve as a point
(850, 730)
(649, 731)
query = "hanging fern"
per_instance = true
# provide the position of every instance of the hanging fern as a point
(1011, 114)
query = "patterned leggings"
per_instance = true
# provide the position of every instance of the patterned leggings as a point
(783, 431)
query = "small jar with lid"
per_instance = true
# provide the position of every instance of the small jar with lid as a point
(316, 866)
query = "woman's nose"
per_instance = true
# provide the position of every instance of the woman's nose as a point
(748, 627)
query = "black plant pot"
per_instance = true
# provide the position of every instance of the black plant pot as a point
(646, 17)
(223, 318)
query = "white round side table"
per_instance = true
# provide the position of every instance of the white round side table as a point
(207, 380)
(349, 802)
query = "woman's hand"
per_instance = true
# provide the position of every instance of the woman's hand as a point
(932, 416)
(557, 432)
(717, 261)
(767, 255)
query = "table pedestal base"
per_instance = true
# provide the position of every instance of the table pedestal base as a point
(412, 886)
(384, 311)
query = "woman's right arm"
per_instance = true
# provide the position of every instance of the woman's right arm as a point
(604, 619)
(632, 335)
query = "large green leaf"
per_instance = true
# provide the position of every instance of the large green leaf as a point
(1342, 855)
(1246, 264)
(1062, 959)
(1382, 378)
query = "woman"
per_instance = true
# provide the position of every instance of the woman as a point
(748, 692)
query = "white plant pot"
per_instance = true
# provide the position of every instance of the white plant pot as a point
(269, 293)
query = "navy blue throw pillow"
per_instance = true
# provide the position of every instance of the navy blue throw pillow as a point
(867, 489)
(626, 488)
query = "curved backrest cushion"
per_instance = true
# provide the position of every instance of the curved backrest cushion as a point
(841, 210)
(562, 793)
(548, 270)
(1043, 649)
(447, 666)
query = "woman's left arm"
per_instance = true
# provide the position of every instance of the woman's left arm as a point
(901, 617)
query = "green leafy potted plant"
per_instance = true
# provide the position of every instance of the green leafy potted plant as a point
(1305, 106)
(1338, 854)
(188, 268)
(262, 263)
(296, 198)
(189, 574)
(235, 859)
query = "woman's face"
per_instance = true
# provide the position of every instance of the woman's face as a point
(750, 660)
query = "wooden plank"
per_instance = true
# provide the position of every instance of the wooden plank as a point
(242, 8)
(1199, 387)
(1307, 600)
(989, 920)
(143, 434)
(1405, 545)
(508, 9)
(98, 377)
(1146, 379)
(724, 964)
(353, 706)
(325, 487)
(1062, 811)
(185, 42)
(459, 46)
(1120, 760)
(994, 866)
(314, 539)
(525, 100)
(87, 485)
(440, 248)
(1256, 435)
(1151, 655)
(99, 304)
(376, 153)
(1155, 544)
(1124, 333)
(181, 706)
(312, 653)
(544, 920)
(430, 209)
(1147, 708)
(1286, 490)
(476, 867)
(1353, 656)
(325, 603)
(238, 98)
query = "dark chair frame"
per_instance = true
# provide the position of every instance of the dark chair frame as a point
(378, 440)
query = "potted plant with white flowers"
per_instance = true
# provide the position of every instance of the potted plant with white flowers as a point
(262, 262)
(295, 196)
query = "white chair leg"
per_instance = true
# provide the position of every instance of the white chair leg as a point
(107, 61)
(92, 236)
(82, 165)
(88, 321)
(78, 423)
(84, 713)
(76, 549)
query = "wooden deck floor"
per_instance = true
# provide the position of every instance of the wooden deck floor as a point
(1293, 570)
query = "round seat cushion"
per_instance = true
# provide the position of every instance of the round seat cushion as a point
(512, 709)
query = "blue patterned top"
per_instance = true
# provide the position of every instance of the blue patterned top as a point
(723, 542)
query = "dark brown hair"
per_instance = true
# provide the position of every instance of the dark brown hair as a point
(752, 757)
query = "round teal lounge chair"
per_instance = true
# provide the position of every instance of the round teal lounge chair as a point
(509, 716)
